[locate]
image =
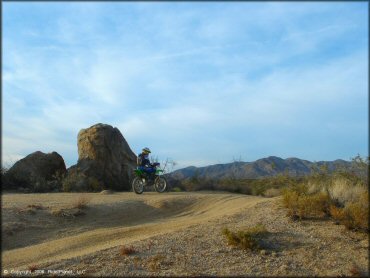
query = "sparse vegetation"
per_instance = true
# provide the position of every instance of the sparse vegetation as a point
(137, 261)
(36, 206)
(33, 268)
(156, 262)
(127, 250)
(149, 246)
(81, 202)
(355, 215)
(272, 192)
(247, 239)
(65, 212)
(342, 195)
(77, 181)
(305, 206)
(76, 208)
(355, 271)
(257, 187)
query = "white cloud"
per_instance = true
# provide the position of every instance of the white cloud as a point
(180, 79)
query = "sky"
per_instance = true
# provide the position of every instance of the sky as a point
(199, 83)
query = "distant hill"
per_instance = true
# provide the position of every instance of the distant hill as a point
(265, 167)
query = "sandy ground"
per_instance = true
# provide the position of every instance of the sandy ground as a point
(36, 235)
(50, 231)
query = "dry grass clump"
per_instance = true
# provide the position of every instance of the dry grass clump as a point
(65, 212)
(36, 206)
(344, 191)
(156, 262)
(355, 272)
(272, 192)
(355, 215)
(127, 250)
(33, 268)
(28, 210)
(81, 202)
(306, 206)
(336, 213)
(247, 239)
(76, 208)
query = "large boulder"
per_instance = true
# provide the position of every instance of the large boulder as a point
(36, 172)
(105, 161)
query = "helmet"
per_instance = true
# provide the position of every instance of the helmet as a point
(146, 151)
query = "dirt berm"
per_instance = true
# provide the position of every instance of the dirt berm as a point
(171, 234)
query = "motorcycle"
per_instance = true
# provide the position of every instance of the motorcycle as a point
(143, 179)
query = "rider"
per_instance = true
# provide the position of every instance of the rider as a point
(144, 163)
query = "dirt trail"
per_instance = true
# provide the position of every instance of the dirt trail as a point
(110, 220)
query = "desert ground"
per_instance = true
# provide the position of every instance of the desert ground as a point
(169, 234)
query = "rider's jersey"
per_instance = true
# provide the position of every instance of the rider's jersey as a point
(144, 160)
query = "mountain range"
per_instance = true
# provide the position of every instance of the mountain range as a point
(265, 167)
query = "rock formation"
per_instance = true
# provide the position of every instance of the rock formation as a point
(105, 160)
(35, 169)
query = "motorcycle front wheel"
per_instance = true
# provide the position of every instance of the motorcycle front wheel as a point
(138, 185)
(160, 184)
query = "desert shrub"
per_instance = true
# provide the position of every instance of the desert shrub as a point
(357, 214)
(360, 168)
(156, 262)
(67, 212)
(313, 206)
(127, 250)
(355, 271)
(343, 190)
(81, 202)
(94, 184)
(247, 239)
(36, 206)
(76, 181)
(40, 185)
(342, 195)
(33, 268)
(337, 213)
(302, 205)
(176, 189)
(272, 192)
(290, 201)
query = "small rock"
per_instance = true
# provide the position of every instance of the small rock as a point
(263, 252)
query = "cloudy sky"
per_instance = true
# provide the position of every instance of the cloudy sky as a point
(199, 83)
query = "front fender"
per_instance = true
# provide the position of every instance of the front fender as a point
(138, 172)
(159, 171)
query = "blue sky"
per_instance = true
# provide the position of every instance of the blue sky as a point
(199, 83)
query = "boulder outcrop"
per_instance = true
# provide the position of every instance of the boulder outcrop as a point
(105, 161)
(35, 170)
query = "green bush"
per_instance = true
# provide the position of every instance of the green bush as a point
(247, 239)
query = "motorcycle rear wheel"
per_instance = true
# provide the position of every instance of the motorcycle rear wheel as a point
(138, 185)
(160, 184)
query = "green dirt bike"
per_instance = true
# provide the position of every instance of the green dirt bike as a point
(143, 179)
